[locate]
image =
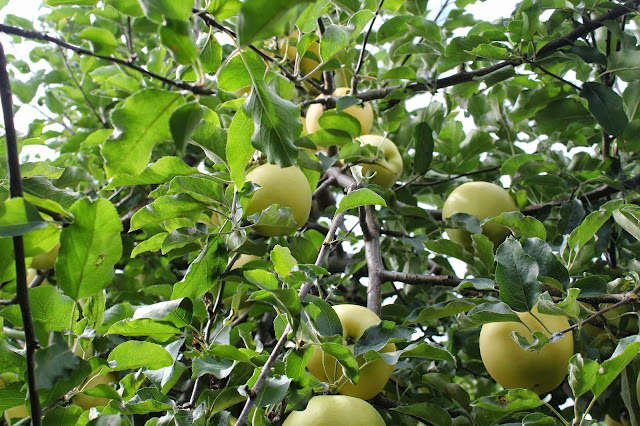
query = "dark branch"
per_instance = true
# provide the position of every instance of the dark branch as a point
(363, 51)
(36, 35)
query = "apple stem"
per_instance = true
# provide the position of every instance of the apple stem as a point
(15, 191)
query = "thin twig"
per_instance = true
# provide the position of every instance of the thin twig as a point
(15, 191)
(266, 368)
(363, 50)
(37, 35)
(84, 95)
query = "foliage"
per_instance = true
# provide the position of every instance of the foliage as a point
(153, 135)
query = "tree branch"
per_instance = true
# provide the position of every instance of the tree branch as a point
(36, 35)
(363, 50)
(15, 191)
(371, 235)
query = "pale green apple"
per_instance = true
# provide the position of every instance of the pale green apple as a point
(481, 199)
(363, 113)
(286, 187)
(388, 165)
(335, 410)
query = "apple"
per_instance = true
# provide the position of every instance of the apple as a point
(615, 317)
(388, 167)
(610, 421)
(373, 376)
(18, 412)
(335, 410)
(46, 261)
(513, 367)
(481, 199)
(85, 401)
(286, 187)
(363, 113)
(307, 63)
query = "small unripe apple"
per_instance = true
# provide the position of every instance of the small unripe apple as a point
(373, 376)
(388, 167)
(286, 187)
(335, 410)
(363, 113)
(85, 401)
(46, 261)
(481, 199)
(513, 367)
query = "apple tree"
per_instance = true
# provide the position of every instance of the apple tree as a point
(223, 173)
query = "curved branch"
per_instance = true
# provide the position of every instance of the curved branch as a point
(37, 35)
(363, 51)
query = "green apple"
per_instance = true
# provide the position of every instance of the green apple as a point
(615, 317)
(85, 401)
(481, 199)
(363, 113)
(46, 261)
(513, 367)
(335, 410)
(388, 165)
(286, 187)
(373, 376)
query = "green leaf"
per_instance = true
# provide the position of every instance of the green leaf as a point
(521, 225)
(606, 106)
(177, 36)
(40, 168)
(340, 121)
(57, 363)
(286, 300)
(345, 358)
(17, 217)
(141, 122)
(12, 395)
(165, 208)
(184, 120)
(282, 260)
(159, 330)
(102, 40)
(262, 279)
(208, 365)
(276, 124)
(490, 51)
(135, 354)
(360, 197)
(260, 19)
(236, 74)
(326, 320)
(71, 2)
(273, 391)
(582, 374)
(591, 224)
(178, 311)
(11, 361)
(152, 244)
(625, 352)
(423, 144)
(203, 273)
(628, 217)
(335, 39)
(163, 170)
(155, 10)
(202, 188)
(239, 149)
(127, 7)
(625, 64)
(51, 308)
(549, 265)
(427, 351)
(517, 276)
(512, 164)
(439, 310)
(377, 336)
(430, 413)
(89, 249)
(506, 402)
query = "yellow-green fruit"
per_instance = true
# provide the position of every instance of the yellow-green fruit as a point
(18, 412)
(373, 376)
(638, 389)
(481, 199)
(308, 63)
(513, 367)
(286, 187)
(389, 166)
(335, 410)
(85, 401)
(363, 113)
(609, 421)
(615, 317)
(46, 261)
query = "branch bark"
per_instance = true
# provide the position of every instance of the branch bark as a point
(15, 191)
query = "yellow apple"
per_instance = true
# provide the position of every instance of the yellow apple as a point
(481, 199)
(610, 421)
(307, 63)
(46, 261)
(615, 317)
(513, 367)
(335, 410)
(85, 401)
(18, 412)
(286, 187)
(388, 166)
(363, 113)
(373, 376)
